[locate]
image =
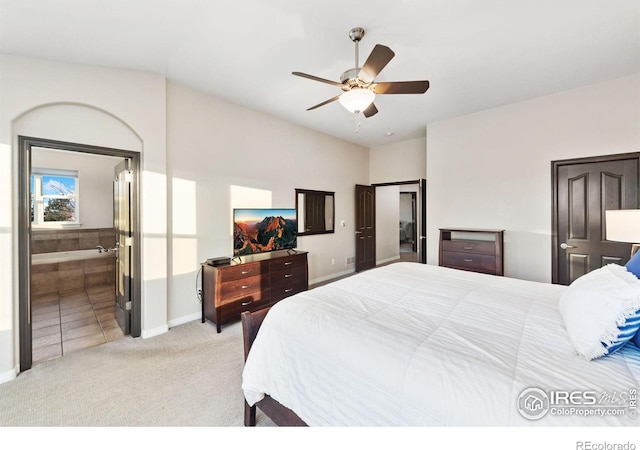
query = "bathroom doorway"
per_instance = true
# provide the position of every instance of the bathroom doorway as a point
(69, 243)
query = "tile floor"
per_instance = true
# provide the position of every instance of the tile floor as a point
(72, 320)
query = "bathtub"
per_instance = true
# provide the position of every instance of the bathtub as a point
(73, 255)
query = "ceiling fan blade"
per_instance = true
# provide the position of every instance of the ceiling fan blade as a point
(370, 110)
(379, 57)
(312, 77)
(324, 103)
(401, 87)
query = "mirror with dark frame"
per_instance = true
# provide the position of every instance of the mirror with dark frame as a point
(315, 212)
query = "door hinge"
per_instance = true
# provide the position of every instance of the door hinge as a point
(127, 306)
(128, 176)
(128, 242)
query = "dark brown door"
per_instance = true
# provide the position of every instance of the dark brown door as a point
(365, 227)
(583, 190)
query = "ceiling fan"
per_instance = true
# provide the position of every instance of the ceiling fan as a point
(359, 84)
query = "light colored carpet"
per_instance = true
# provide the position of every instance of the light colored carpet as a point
(170, 390)
(189, 376)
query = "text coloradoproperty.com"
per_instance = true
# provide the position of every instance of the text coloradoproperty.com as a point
(570, 411)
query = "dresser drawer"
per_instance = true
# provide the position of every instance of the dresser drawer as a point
(286, 290)
(231, 311)
(477, 262)
(287, 276)
(242, 271)
(288, 262)
(231, 290)
(288, 282)
(460, 246)
(247, 299)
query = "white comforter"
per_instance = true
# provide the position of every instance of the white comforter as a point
(419, 345)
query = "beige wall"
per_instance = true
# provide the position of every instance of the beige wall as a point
(216, 149)
(492, 169)
(399, 161)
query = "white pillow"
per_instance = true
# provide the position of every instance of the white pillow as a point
(601, 310)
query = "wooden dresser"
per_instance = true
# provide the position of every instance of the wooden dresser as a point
(476, 250)
(251, 282)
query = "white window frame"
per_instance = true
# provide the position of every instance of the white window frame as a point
(38, 198)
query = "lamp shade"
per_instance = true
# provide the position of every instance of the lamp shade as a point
(357, 99)
(623, 225)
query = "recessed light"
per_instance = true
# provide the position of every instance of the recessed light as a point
(389, 133)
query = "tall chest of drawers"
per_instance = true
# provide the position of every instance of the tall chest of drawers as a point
(476, 250)
(251, 282)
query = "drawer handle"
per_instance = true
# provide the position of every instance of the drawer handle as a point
(286, 291)
(244, 272)
(245, 286)
(288, 263)
(468, 260)
(288, 275)
(247, 303)
(467, 248)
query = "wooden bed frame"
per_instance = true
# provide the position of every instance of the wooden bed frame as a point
(281, 415)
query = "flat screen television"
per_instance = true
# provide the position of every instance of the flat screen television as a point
(263, 230)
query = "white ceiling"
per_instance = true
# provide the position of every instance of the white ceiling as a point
(477, 54)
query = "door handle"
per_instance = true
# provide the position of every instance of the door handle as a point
(564, 246)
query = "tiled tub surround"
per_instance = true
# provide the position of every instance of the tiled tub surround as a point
(59, 263)
(51, 241)
(53, 277)
(72, 255)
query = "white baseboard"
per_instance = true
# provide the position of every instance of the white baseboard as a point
(330, 277)
(388, 260)
(185, 319)
(8, 376)
(146, 334)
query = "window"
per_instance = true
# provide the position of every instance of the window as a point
(54, 197)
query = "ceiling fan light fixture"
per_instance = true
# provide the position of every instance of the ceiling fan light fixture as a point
(357, 99)
(358, 83)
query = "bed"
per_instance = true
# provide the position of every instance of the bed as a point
(410, 344)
